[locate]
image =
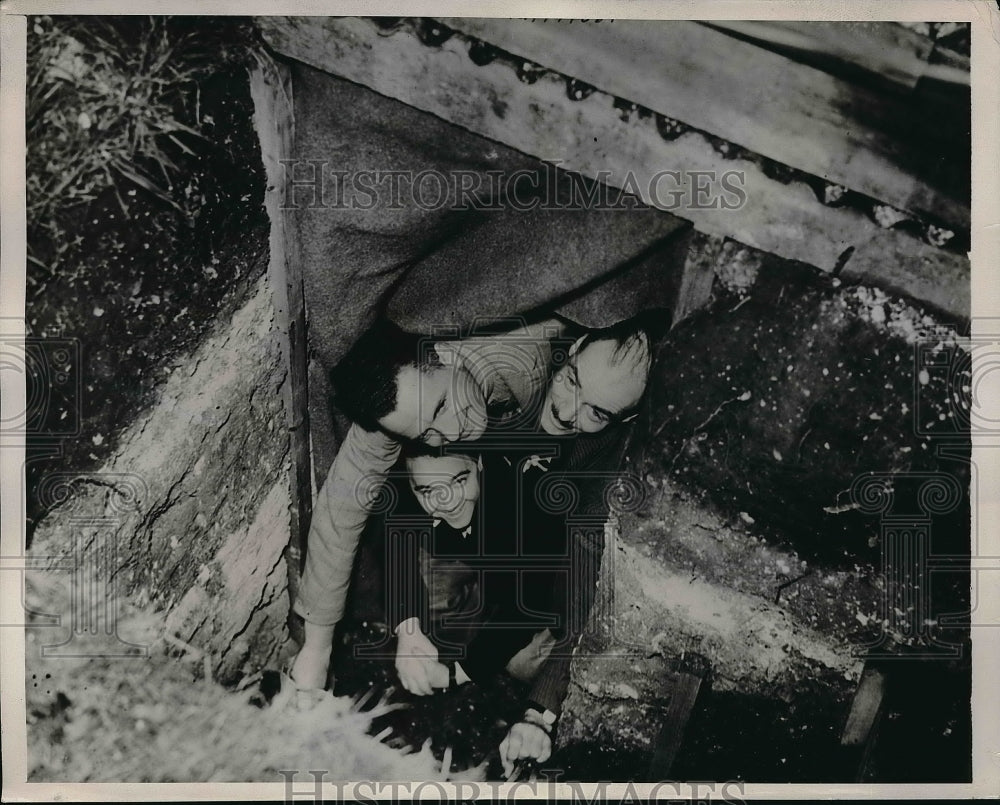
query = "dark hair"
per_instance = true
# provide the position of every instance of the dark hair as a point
(634, 338)
(365, 380)
(416, 449)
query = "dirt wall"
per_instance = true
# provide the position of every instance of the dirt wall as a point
(794, 449)
(190, 514)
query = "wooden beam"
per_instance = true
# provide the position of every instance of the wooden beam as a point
(865, 708)
(271, 89)
(697, 277)
(886, 50)
(789, 112)
(590, 138)
(687, 684)
(861, 730)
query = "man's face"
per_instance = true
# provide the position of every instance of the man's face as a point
(438, 405)
(592, 390)
(446, 487)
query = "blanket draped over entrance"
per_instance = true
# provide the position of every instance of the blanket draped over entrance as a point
(541, 246)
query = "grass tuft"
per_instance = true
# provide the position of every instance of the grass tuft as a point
(113, 105)
(161, 718)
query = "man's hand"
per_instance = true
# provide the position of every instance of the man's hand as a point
(417, 660)
(313, 661)
(524, 740)
(302, 699)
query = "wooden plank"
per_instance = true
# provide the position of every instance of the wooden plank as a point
(589, 137)
(887, 50)
(672, 733)
(865, 708)
(861, 730)
(765, 102)
(697, 277)
(271, 89)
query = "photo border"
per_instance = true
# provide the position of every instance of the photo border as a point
(985, 254)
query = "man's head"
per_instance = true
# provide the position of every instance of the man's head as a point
(445, 484)
(410, 387)
(601, 382)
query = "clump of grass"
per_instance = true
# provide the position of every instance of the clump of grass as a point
(159, 718)
(113, 106)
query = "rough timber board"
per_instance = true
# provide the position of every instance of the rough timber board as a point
(671, 736)
(865, 708)
(887, 49)
(271, 88)
(589, 137)
(789, 112)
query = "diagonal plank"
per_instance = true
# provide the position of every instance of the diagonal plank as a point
(887, 52)
(789, 112)
(589, 137)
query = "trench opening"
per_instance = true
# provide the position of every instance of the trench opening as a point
(753, 548)
(770, 411)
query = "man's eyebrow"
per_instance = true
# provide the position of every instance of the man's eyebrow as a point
(455, 477)
(604, 412)
(439, 406)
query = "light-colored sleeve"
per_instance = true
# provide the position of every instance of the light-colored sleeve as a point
(342, 508)
(519, 359)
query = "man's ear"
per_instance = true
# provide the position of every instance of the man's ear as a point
(576, 346)
(446, 352)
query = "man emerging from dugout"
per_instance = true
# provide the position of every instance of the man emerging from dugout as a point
(400, 396)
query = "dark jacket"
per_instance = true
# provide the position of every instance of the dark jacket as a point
(533, 554)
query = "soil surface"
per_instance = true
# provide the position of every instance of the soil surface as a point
(770, 408)
(141, 286)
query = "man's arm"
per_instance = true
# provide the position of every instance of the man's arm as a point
(586, 547)
(506, 632)
(531, 738)
(342, 508)
(601, 456)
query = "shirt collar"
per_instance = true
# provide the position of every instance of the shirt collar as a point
(466, 532)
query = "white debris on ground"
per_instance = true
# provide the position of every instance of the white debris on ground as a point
(893, 316)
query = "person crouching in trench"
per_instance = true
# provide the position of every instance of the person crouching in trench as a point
(452, 584)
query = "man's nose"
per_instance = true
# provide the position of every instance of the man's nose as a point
(434, 438)
(451, 428)
(475, 419)
(568, 421)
